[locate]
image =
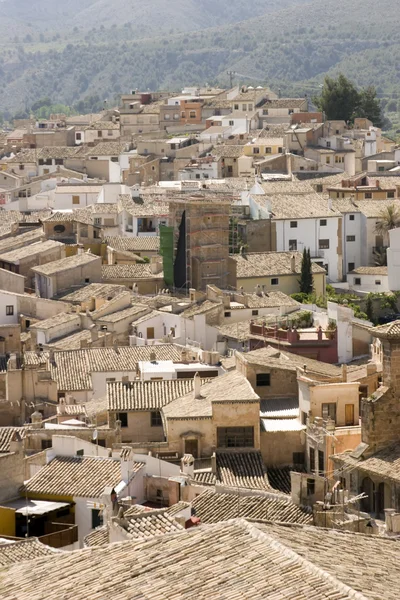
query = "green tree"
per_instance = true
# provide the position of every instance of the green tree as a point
(339, 99)
(389, 218)
(370, 106)
(369, 308)
(306, 278)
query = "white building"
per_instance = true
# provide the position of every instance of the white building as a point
(68, 197)
(369, 279)
(393, 260)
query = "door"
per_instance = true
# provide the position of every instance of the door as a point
(192, 447)
(349, 414)
(150, 333)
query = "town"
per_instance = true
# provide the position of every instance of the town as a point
(200, 351)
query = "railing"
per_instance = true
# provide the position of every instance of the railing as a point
(61, 536)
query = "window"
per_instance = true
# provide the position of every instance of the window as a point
(351, 267)
(75, 200)
(114, 159)
(351, 217)
(227, 314)
(96, 518)
(321, 462)
(235, 437)
(310, 486)
(192, 114)
(155, 419)
(328, 144)
(323, 222)
(59, 161)
(368, 195)
(99, 134)
(319, 188)
(9, 310)
(328, 160)
(87, 280)
(244, 107)
(46, 444)
(78, 136)
(377, 282)
(298, 458)
(109, 132)
(236, 106)
(293, 224)
(329, 411)
(231, 123)
(123, 417)
(312, 460)
(250, 107)
(21, 167)
(390, 194)
(197, 176)
(254, 313)
(292, 245)
(323, 244)
(303, 417)
(265, 111)
(280, 150)
(268, 150)
(357, 280)
(263, 379)
(275, 281)
(256, 150)
(350, 238)
(97, 220)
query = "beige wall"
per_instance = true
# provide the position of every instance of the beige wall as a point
(139, 428)
(12, 282)
(340, 394)
(288, 284)
(283, 381)
(238, 414)
(277, 448)
(12, 474)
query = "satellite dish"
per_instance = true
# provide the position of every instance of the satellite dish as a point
(95, 434)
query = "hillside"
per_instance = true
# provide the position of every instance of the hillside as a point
(292, 47)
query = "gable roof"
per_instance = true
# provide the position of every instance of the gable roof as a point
(146, 395)
(64, 264)
(384, 463)
(134, 244)
(212, 507)
(148, 524)
(233, 559)
(269, 264)
(230, 388)
(84, 476)
(16, 552)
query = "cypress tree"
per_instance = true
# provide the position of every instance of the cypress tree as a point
(306, 278)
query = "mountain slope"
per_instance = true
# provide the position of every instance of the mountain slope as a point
(291, 48)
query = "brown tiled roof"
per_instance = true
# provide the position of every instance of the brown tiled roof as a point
(212, 507)
(60, 319)
(150, 524)
(127, 313)
(64, 264)
(269, 264)
(177, 508)
(205, 477)
(385, 463)
(102, 149)
(370, 271)
(94, 290)
(7, 435)
(34, 249)
(368, 564)
(76, 476)
(230, 388)
(72, 369)
(16, 552)
(134, 244)
(387, 331)
(279, 477)
(97, 537)
(140, 271)
(146, 395)
(242, 470)
(228, 151)
(233, 559)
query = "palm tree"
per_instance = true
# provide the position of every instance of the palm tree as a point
(389, 219)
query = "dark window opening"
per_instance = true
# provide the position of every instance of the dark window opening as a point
(123, 417)
(235, 437)
(263, 379)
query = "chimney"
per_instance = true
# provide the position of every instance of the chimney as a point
(153, 357)
(61, 406)
(213, 463)
(156, 265)
(197, 386)
(293, 263)
(94, 333)
(187, 465)
(36, 418)
(81, 249)
(377, 182)
(288, 163)
(125, 379)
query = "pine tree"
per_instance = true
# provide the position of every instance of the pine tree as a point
(306, 278)
(369, 308)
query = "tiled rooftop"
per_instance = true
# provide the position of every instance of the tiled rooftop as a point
(97, 537)
(94, 290)
(7, 435)
(30, 250)
(17, 552)
(64, 264)
(60, 319)
(72, 369)
(370, 271)
(385, 463)
(134, 244)
(140, 271)
(151, 524)
(242, 469)
(212, 507)
(230, 388)
(76, 476)
(269, 264)
(234, 559)
(146, 395)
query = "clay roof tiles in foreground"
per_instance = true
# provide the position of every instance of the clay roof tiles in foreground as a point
(234, 559)
(385, 463)
(16, 552)
(148, 524)
(212, 507)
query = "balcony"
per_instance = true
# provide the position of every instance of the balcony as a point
(60, 535)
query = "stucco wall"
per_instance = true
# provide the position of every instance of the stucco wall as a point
(277, 448)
